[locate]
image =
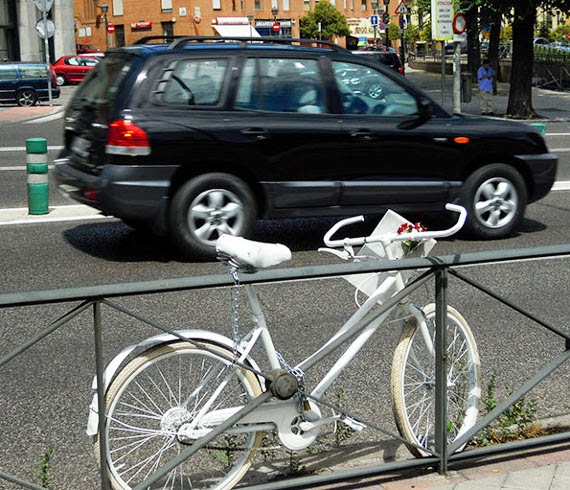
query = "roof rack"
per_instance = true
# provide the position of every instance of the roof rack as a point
(164, 39)
(180, 41)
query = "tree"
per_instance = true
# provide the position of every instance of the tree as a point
(524, 20)
(333, 23)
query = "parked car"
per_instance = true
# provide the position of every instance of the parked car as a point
(27, 83)
(198, 139)
(560, 46)
(73, 69)
(449, 48)
(86, 48)
(540, 41)
(389, 58)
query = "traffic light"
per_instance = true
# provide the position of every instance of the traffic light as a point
(386, 18)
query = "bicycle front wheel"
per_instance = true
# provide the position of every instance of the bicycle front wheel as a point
(413, 380)
(151, 408)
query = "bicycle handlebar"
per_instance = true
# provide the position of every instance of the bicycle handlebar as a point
(394, 237)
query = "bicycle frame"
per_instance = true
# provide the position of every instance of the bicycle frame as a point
(280, 413)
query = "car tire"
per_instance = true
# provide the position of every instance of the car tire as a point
(60, 80)
(495, 197)
(208, 206)
(26, 98)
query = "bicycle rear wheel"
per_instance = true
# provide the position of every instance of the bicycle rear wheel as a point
(413, 381)
(152, 402)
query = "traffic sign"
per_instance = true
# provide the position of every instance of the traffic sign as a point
(45, 29)
(459, 24)
(110, 28)
(276, 27)
(43, 5)
(402, 8)
(374, 20)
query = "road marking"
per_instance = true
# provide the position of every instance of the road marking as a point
(73, 212)
(559, 150)
(561, 185)
(40, 120)
(23, 148)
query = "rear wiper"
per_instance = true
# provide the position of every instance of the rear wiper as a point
(187, 89)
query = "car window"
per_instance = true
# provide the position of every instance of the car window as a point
(73, 61)
(8, 73)
(365, 90)
(193, 82)
(103, 82)
(34, 71)
(281, 85)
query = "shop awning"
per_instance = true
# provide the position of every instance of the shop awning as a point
(236, 31)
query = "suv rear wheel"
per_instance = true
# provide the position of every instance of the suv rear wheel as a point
(495, 197)
(26, 98)
(207, 207)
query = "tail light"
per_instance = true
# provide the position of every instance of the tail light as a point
(126, 138)
(401, 70)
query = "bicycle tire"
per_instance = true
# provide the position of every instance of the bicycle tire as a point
(413, 381)
(144, 411)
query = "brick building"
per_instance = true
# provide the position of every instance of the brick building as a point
(130, 20)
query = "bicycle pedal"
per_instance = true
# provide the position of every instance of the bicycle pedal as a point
(353, 424)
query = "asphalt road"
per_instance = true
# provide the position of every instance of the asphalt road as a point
(45, 392)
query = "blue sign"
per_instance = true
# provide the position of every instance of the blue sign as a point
(373, 20)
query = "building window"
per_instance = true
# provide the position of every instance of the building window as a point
(363, 7)
(257, 4)
(306, 6)
(286, 6)
(118, 8)
(166, 5)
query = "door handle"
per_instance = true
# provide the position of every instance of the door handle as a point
(259, 133)
(363, 134)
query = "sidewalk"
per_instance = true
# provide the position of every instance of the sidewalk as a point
(553, 106)
(545, 468)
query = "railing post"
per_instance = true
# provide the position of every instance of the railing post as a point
(441, 279)
(99, 368)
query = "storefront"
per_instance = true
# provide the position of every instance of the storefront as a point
(265, 27)
(234, 27)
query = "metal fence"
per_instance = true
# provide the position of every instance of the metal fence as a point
(441, 268)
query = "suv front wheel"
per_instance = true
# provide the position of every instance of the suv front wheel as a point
(495, 197)
(207, 207)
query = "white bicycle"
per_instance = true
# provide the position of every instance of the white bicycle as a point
(191, 409)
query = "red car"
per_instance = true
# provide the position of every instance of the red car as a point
(72, 69)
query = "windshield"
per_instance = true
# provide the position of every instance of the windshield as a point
(102, 83)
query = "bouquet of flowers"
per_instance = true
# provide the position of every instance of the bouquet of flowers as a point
(409, 245)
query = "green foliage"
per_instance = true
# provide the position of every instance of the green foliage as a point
(411, 34)
(333, 23)
(425, 33)
(393, 31)
(342, 432)
(44, 473)
(515, 423)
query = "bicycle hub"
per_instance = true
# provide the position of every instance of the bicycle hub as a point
(282, 385)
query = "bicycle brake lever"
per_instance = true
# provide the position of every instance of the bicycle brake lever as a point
(344, 255)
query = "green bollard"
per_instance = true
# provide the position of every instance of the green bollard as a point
(541, 127)
(37, 166)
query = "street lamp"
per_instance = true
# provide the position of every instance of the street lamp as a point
(386, 4)
(274, 12)
(250, 20)
(104, 9)
(375, 26)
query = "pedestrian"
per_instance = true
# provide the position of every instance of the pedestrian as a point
(486, 76)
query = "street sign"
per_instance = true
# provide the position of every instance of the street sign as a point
(110, 28)
(45, 29)
(374, 20)
(459, 24)
(44, 5)
(276, 27)
(402, 8)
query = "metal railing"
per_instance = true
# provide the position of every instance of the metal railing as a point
(440, 267)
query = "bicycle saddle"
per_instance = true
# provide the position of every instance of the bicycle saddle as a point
(250, 253)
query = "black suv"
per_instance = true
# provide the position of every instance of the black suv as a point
(199, 137)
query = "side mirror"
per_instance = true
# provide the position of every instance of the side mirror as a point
(424, 114)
